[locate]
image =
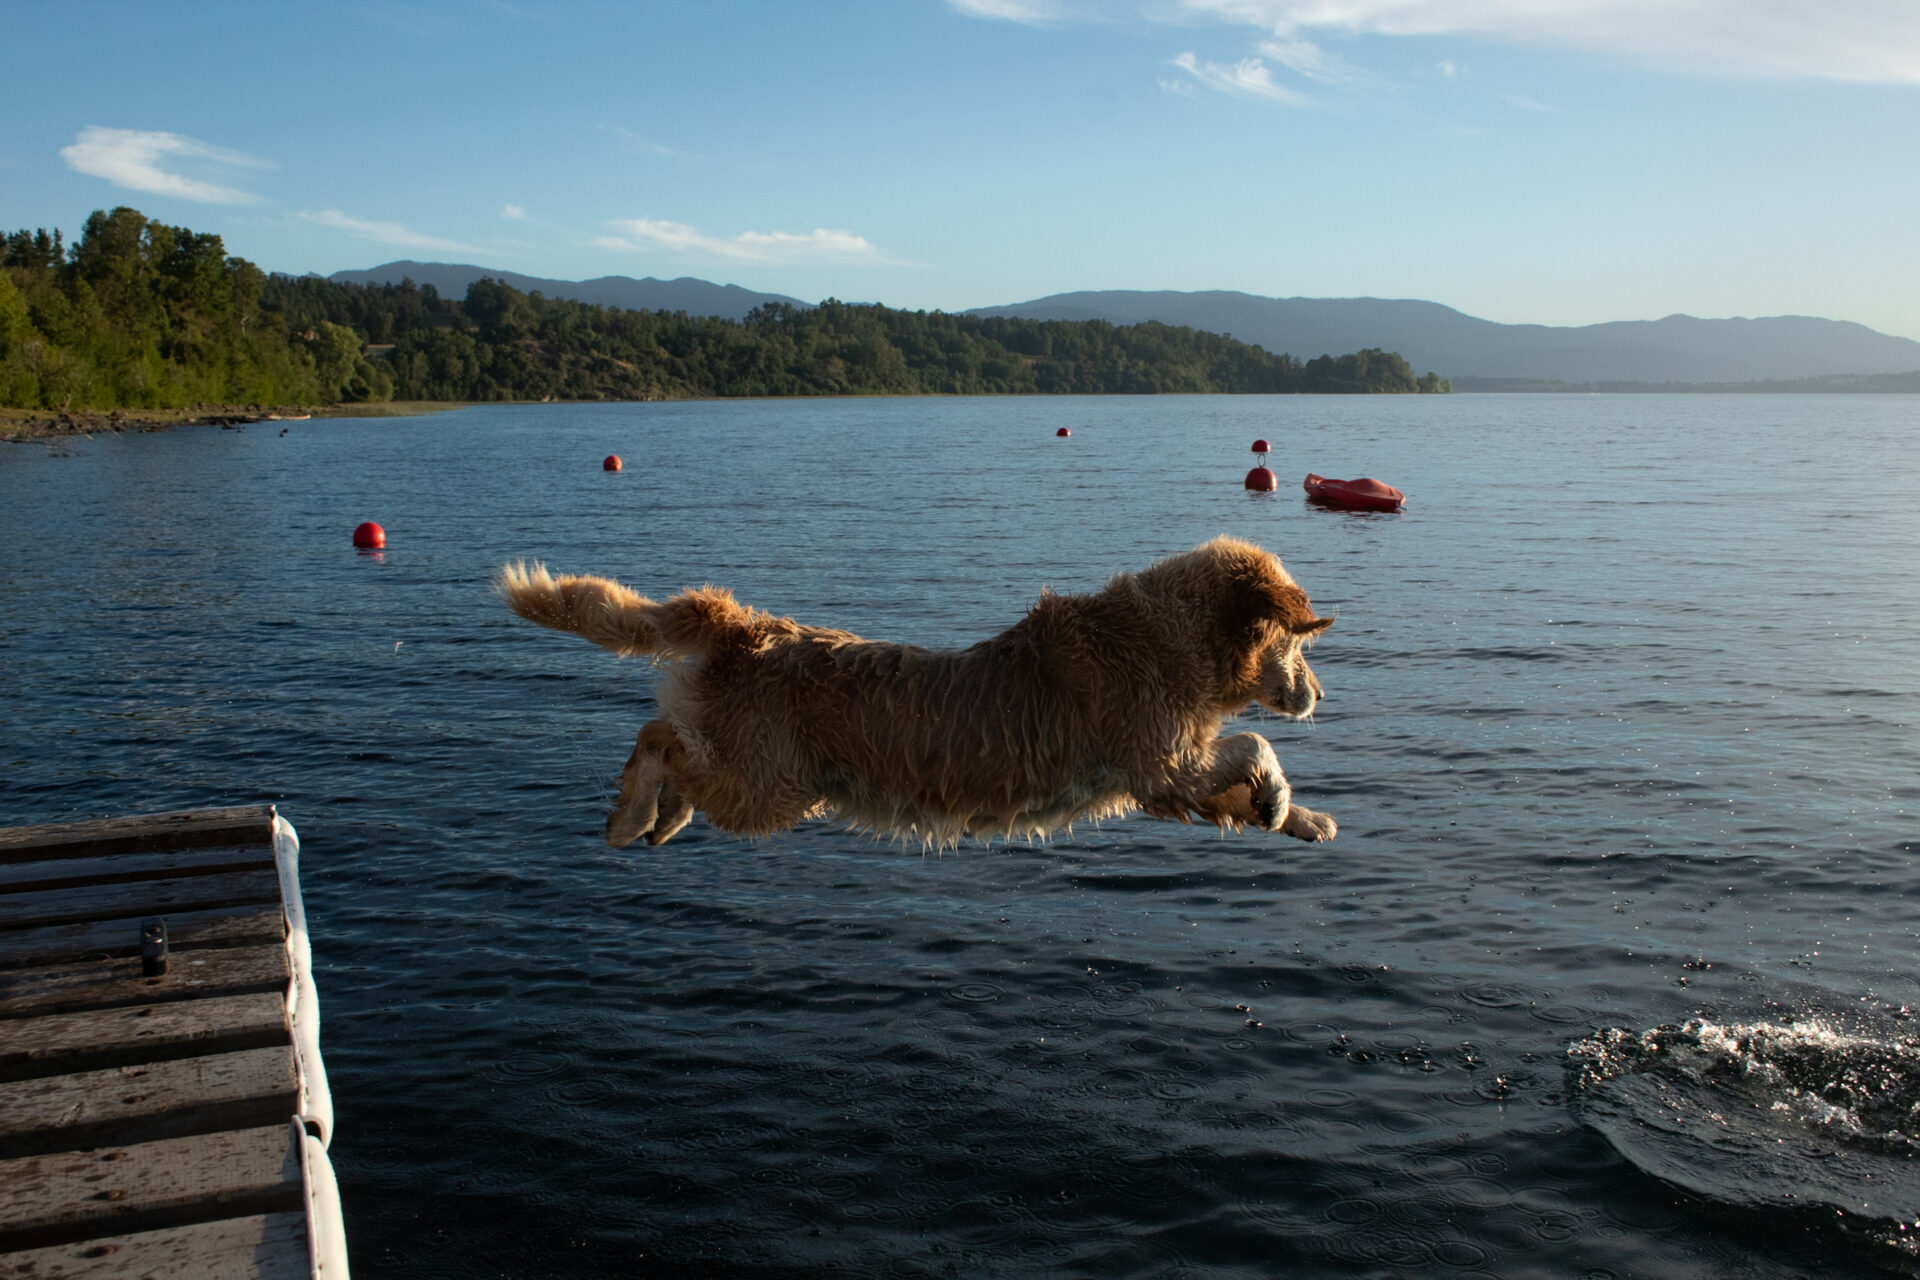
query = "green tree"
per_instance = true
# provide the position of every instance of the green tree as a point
(336, 356)
(16, 325)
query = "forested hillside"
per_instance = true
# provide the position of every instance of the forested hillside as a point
(142, 315)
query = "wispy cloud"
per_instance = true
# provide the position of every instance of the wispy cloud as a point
(1868, 41)
(1304, 58)
(1035, 13)
(1247, 78)
(513, 213)
(639, 142)
(1523, 102)
(819, 245)
(1861, 40)
(393, 233)
(132, 158)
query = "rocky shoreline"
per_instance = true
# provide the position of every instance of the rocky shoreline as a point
(22, 425)
(52, 425)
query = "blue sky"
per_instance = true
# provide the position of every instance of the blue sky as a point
(1549, 161)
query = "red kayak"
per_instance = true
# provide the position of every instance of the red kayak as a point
(1365, 494)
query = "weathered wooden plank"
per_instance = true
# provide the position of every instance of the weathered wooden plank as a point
(115, 868)
(145, 897)
(100, 939)
(269, 1247)
(78, 1195)
(184, 829)
(63, 1043)
(148, 1103)
(107, 984)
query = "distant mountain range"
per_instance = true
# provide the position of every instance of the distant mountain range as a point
(695, 297)
(1473, 351)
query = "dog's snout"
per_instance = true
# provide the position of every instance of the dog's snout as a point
(1311, 684)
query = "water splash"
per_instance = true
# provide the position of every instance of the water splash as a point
(1815, 1110)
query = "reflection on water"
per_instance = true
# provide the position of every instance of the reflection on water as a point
(1619, 732)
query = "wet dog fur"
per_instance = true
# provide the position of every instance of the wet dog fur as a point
(1092, 706)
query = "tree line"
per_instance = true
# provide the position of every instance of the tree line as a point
(137, 314)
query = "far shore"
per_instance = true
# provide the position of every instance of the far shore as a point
(19, 425)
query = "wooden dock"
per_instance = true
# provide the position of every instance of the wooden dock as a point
(161, 1116)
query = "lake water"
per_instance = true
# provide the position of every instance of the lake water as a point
(1608, 973)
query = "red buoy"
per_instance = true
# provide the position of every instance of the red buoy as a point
(370, 535)
(612, 463)
(1063, 432)
(1262, 479)
(1261, 446)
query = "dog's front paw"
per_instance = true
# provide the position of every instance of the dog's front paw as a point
(1267, 809)
(1304, 824)
(1269, 801)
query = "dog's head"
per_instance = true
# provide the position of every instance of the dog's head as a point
(1257, 620)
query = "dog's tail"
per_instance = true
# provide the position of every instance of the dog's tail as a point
(612, 616)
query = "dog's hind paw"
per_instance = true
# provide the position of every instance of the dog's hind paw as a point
(675, 812)
(624, 828)
(1304, 824)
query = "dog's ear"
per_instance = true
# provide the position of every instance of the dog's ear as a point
(1250, 596)
(1288, 605)
(1256, 600)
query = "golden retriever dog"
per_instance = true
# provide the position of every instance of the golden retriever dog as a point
(1092, 706)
